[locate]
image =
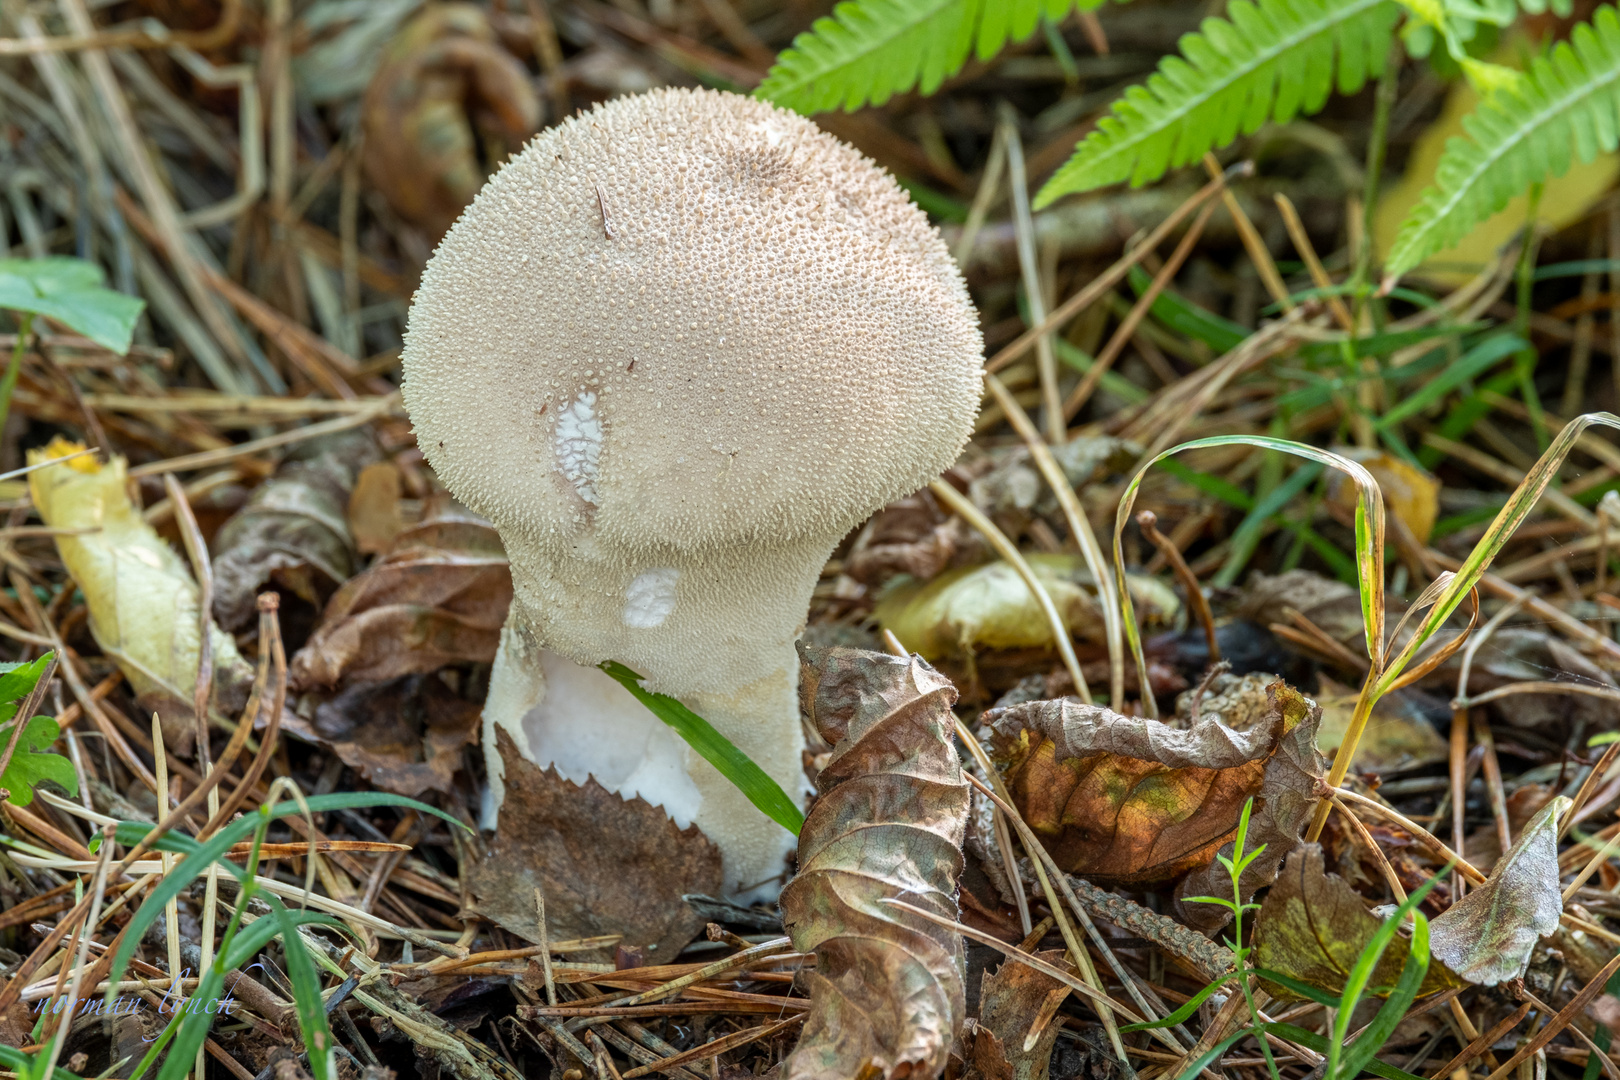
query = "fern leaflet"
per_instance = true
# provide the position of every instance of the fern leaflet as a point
(1567, 102)
(870, 50)
(1269, 60)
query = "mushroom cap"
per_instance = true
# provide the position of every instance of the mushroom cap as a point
(689, 320)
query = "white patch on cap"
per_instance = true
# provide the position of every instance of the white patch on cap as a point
(579, 445)
(650, 598)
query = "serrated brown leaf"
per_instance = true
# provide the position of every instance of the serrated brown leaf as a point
(1488, 935)
(1129, 801)
(887, 994)
(608, 865)
(1313, 927)
(439, 597)
(1013, 999)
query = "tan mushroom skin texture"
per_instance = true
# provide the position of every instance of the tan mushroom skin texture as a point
(675, 350)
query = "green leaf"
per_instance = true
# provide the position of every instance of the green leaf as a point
(870, 50)
(30, 764)
(1377, 1033)
(716, 749)
(1268, 61)
(1567, 105)
(70, 291)
(1472, 364)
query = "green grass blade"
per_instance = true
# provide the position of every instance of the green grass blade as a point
(306, 984)
(1187, 1008)
(1313, 1041)
(1361, 973)
(1369, 536)
(1377, 1033)
(1303, 989)
(1518, 507)
(1472, 364)
(213, 850)
(716, 749)
(1210, 1056)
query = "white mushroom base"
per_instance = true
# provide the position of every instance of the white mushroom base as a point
(582, 722)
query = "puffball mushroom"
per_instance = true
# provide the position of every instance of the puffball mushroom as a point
(675, 350)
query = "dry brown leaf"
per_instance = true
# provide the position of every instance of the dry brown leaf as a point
(1005, 1044)
(1127, 800)
(887, 997)
(1313, 927)
(608, 865)
(293, 532)
(439, 597)
(374, 512)
(1487, 936)
(912, 536)
(405, 735)
(444, 81)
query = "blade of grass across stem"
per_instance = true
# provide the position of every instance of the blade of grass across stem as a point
(306, 984)
(716, 749)
(1369, 544)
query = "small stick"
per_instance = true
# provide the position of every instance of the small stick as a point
(1482, 1043)
(1307, 252)
(1378, 853)
(171, 910)
(1127, 327)
(1252, 242)
(1428, 839)
(1148, 522)
(545, 949)
(717, 1046)
(1558, 1023)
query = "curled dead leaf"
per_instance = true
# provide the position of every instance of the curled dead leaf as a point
(1127, 800)
(1313, 927)
(405, 735)
(439, 597)
(293, 532)
(607, 864)
(444, 81)
(887, 996)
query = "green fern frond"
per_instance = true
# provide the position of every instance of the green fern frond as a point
(1266, 61)
(1566, 103)
(870, 50)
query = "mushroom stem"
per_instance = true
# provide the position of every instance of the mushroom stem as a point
(578, 720)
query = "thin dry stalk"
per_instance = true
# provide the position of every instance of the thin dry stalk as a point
(1099, 286)
(1307, 252)
(1080, 529)
(1052, 411)
(1558, 1023)
(1390, 877)
(1482, 1043)
(964, 508)
(1148, 522)
(1127, 328)
(1418, 832)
